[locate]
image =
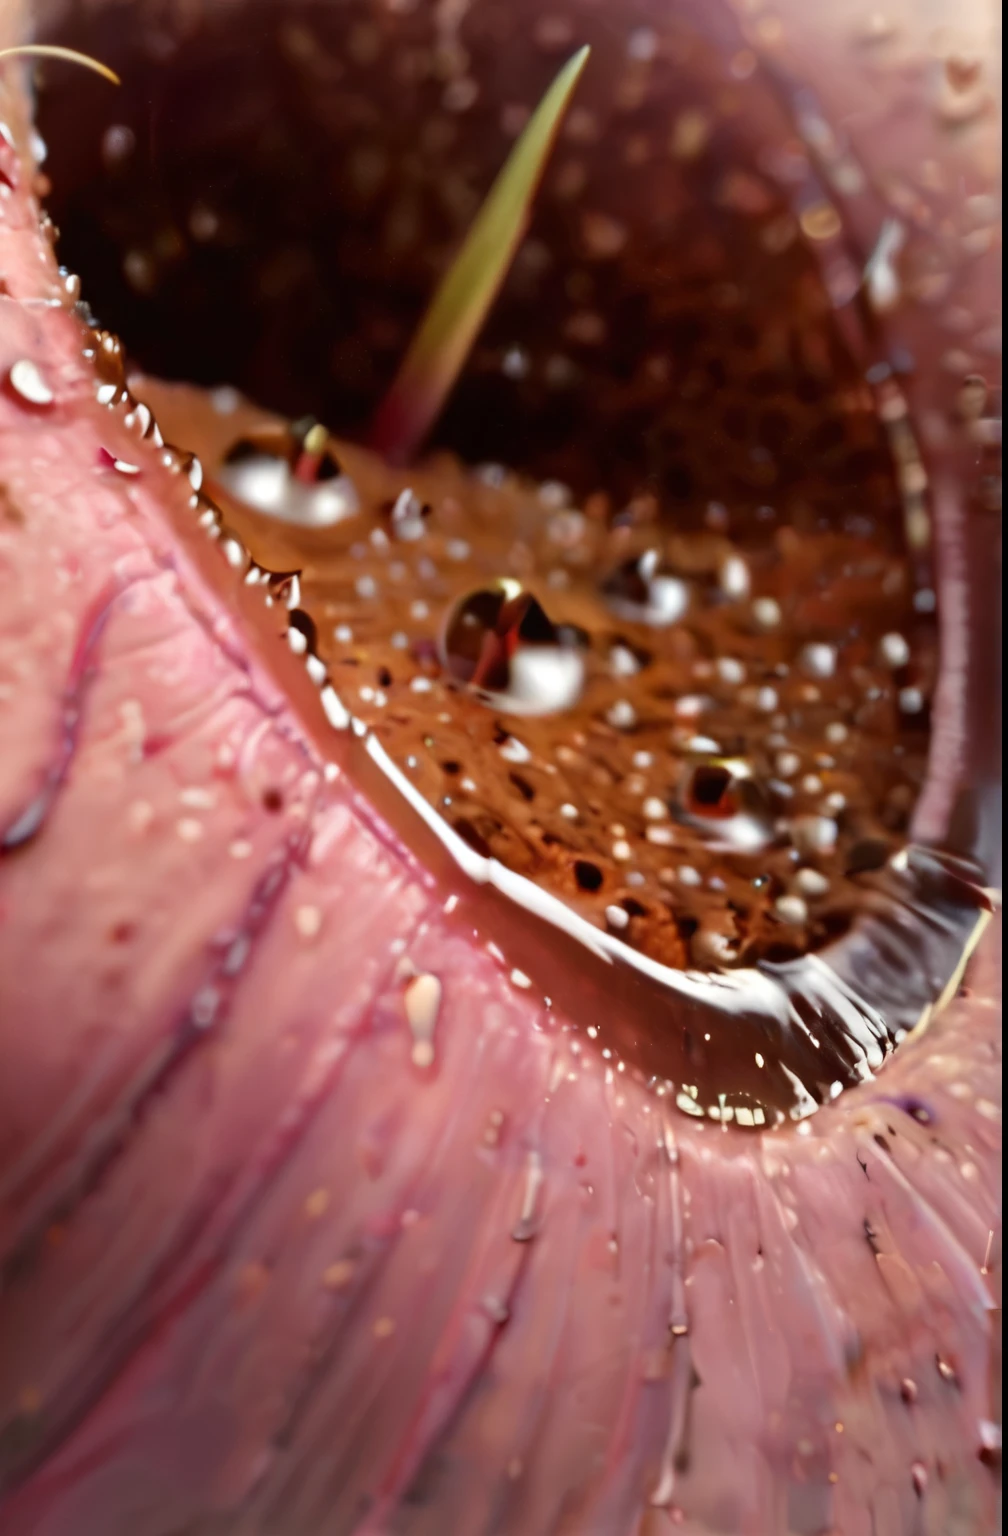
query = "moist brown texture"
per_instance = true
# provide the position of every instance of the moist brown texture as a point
(718, 786)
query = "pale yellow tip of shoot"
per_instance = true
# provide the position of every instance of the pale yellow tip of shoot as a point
(53, 51)
(462, 301)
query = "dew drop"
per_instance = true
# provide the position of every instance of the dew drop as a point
(720, 798)
(500, 642)
(644, 592)
(26, 380)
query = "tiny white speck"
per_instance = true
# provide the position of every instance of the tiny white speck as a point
(642, 759)
(809, 882)
(655, 809)
(399, 641)
(621, 715)
(662, 837)
(554, 495)
(623, 662)
(308, 921)
(817, 659)
(689, 876)
(198, 798)
(894, 650)
(421, 685)
(791, 909)
(419, 610)
(519, 979)
(514, 364)
(366, 587)
(766, 612)
(729, 670)
(616, 917)
(568, 811)
(189, 829)
(836, 732)
(514, 751)
(457, 549)
(759, 1060)
(925, 600)
(224, 399)
(734, 577)
(343, 633)
(688, 705)
(911, 701)
(240, 848)
(622, 851)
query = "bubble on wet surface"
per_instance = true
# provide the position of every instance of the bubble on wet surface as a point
(267, 481)
(500, 642)
(643, 591)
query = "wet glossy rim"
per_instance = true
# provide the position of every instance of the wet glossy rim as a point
(959, 807)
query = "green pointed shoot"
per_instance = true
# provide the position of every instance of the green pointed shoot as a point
(53, 51)
(464, 296)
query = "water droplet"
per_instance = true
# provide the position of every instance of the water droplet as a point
(26, 380)
(818, 659)
(500, 641)
(810, 883)
(422, 1003)
(645, 592)
(515, 363)
(814, 834)
(791, 909)
(721, 799)
(262, 475)
(621, 715)
(407, 514)
(118, 143)
(766, 613)
(733, 577)
(946, 1371)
